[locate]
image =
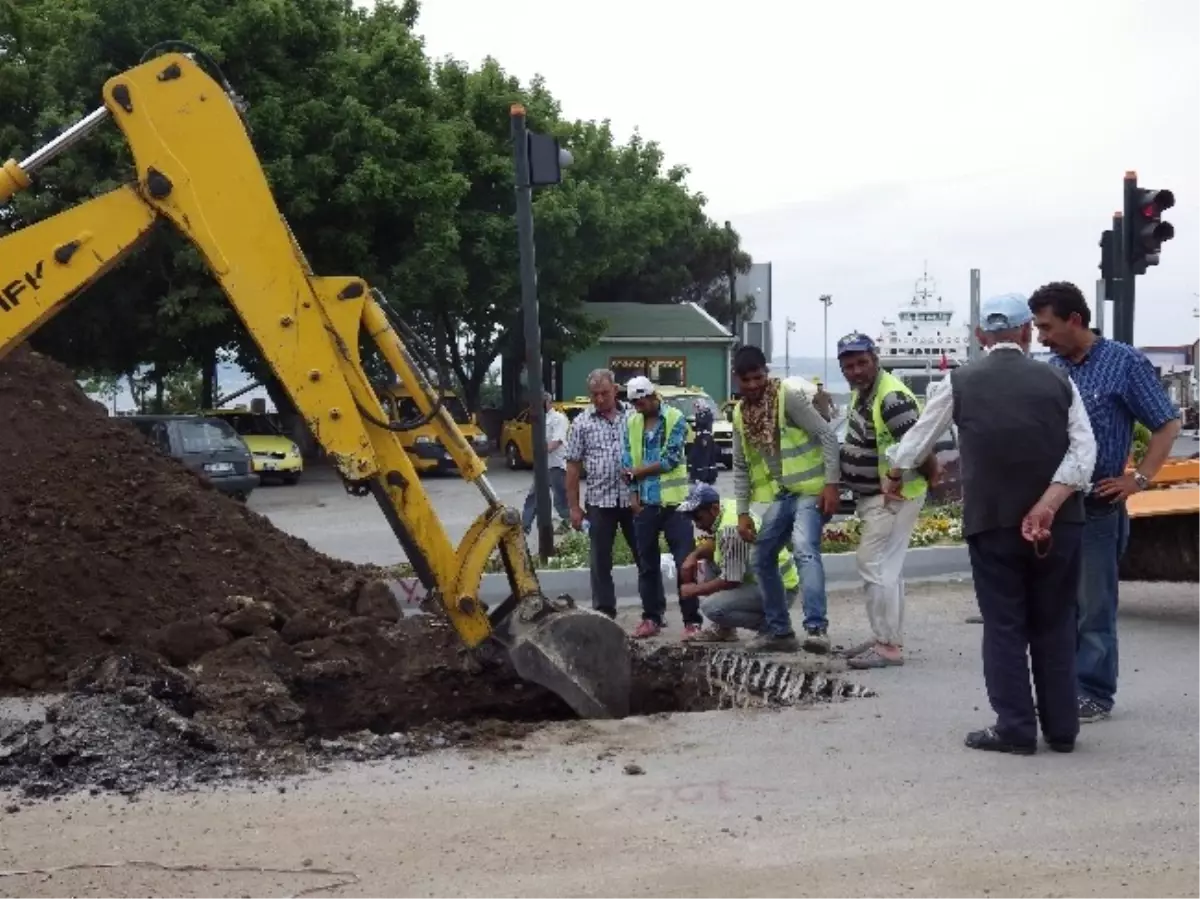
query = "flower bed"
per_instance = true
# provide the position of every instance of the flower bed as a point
(936, 525)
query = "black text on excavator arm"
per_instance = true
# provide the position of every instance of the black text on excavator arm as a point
(197, 169)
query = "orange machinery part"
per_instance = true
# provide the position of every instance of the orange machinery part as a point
(1175, 490)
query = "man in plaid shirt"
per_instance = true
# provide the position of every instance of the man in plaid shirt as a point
(594, 444)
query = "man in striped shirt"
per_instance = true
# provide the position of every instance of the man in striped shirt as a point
(732, 598)
(881, 411)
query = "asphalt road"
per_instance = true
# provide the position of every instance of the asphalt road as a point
(865, 797)
(352, 528)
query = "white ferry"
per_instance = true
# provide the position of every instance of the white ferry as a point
(923, 341)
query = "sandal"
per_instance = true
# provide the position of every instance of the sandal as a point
(872, 659)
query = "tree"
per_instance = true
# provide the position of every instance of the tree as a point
(620, 226)
(340, 103)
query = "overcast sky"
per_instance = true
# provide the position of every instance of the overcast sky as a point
(851, 142)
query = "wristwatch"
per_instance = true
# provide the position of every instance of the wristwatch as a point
(1141, 480)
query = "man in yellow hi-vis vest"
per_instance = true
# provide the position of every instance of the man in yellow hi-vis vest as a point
(655, 471)
(882, 410)
(732, 596)
(784, 453)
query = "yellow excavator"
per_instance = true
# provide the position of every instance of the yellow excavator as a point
(197, 170)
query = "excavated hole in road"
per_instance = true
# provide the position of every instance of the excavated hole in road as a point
(666, 679)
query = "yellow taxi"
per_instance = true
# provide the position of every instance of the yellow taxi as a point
(424, 448)
(273, 455)
(516, 437)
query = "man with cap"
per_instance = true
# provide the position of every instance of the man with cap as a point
(655, 471)
(882, 410)
(732, 597)
(1027, 452)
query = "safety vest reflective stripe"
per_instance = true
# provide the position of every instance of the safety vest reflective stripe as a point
(801, 459)
(913, 484)
(673, 484)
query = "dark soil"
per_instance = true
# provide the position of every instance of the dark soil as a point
(199, 643)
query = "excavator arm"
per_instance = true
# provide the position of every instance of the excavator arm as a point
(197, 170)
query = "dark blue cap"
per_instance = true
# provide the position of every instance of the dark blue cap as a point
(855, 343)
(700, 495)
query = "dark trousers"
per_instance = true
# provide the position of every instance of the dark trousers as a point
(676, 527)
(1029, 608)
(603, 523)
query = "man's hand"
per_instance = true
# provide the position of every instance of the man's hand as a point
(746, 529)
(635, 503)
(687, 591)
(830, 499)
(1036, 524)
(577, 518)
(687, 571)
(932, 470)
(1118, 488)
(891, 485)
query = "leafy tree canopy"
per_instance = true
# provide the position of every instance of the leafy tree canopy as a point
(384, 164)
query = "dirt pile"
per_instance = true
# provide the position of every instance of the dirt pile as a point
(199, 643)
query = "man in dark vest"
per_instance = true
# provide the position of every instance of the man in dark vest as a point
(1026, 451)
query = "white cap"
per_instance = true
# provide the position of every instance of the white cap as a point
(639, 387)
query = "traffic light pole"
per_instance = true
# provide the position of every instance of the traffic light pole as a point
(533, 331)
(1124, 236)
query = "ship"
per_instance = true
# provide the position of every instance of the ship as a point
(923, 341)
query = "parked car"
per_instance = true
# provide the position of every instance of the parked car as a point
(422, 443)
(949, 490)
(208, 446)
(273, 453)
(516, 436)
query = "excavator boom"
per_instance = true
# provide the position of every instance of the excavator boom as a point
(197, 169)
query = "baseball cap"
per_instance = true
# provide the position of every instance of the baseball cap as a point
(639, 387)
(700, 495)
(1003, 312)
(856, 342)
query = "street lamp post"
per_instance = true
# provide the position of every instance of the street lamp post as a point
(788, 328)
(827, 301)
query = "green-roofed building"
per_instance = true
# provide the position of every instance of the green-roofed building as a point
(673, 344)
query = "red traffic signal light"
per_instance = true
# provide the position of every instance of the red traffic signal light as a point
(1145, 230)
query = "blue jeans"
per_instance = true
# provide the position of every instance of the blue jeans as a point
(1105, 536)
(558, 496)
(798, 518)
(676, 527)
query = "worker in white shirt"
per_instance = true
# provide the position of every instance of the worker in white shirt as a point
(556, 460)
(1027, 452)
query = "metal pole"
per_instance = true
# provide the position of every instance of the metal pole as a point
(826, 300)
(974, 350)
(1101, 302)
(533, 335)
(788, 327)
(733, 304)
(1123, 300)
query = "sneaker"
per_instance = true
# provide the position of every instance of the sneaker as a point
(647, 629)
(774, 643)
(712, 635)
(990, 741)
(1090, 710)
(816, 639)
(691, 631)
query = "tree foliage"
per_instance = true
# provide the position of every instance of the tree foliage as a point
(384, 164)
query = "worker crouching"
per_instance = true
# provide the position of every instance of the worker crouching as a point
(731, 596)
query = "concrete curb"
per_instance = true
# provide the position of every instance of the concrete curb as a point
(923, 563)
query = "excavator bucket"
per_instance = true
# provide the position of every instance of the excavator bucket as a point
(1164, 526)
(581, 655)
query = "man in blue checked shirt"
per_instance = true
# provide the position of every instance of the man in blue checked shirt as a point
(1119, 386)
(656, 472)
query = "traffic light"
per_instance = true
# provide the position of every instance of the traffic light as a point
(1145, 231)
(1108, 264)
